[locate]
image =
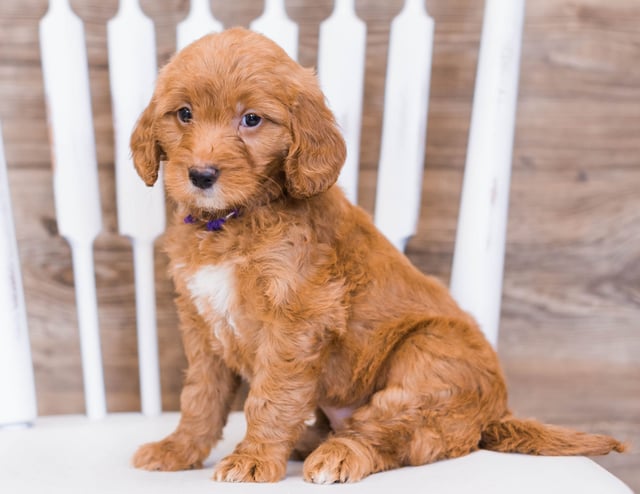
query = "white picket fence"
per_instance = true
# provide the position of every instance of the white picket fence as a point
(478, 262)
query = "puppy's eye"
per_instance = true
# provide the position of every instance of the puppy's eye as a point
(250, 120)
(185, 115)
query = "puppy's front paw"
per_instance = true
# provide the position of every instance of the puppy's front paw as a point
(239, 467)
(167, 455)
(337, 460)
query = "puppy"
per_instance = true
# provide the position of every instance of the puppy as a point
(283, 282)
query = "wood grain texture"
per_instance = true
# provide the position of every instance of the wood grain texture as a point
(570, 327)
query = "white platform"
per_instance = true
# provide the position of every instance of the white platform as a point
(74, 455)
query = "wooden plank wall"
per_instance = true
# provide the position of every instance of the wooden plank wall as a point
(570, 338)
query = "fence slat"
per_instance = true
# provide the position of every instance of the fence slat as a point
(141, 210)
(404, 123)
(341, 62)
(275, 24)
(75, 176)
(199, 22)
(476, 277)
(17, 389)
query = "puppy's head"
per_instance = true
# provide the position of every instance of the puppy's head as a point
(236, 121)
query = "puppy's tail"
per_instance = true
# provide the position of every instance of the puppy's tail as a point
(512, 435)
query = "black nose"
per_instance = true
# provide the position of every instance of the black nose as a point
(204, 178)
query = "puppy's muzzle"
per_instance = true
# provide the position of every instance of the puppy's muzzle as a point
(204, 178)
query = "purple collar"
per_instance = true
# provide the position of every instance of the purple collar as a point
(213, 225)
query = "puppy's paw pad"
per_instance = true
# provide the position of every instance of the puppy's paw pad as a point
(167, 455)
(335, 461)
(248, 468)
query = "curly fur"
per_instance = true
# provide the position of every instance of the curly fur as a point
(302, 296)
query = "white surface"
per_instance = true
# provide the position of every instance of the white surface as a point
(199, 22)
(75, 175)
(404, 123)
(476, 277)
(275, 24)
(341, 59)
(73, 455)
(141, 210)
(17, 390)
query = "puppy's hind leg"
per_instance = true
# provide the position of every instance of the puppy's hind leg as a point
(367, 444)
(433, 406)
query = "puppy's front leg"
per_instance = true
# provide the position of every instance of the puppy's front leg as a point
(281, 398)
(205, 403)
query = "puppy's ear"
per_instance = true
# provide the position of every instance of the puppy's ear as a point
(145, 149)
(318, 151)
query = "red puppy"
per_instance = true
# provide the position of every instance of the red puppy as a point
(282, 281)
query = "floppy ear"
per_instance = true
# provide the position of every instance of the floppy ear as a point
(318, 151)
(145, 148)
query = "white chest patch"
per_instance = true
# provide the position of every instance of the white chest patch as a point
(212, 289)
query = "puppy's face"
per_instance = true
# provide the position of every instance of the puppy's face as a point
(237, 122)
